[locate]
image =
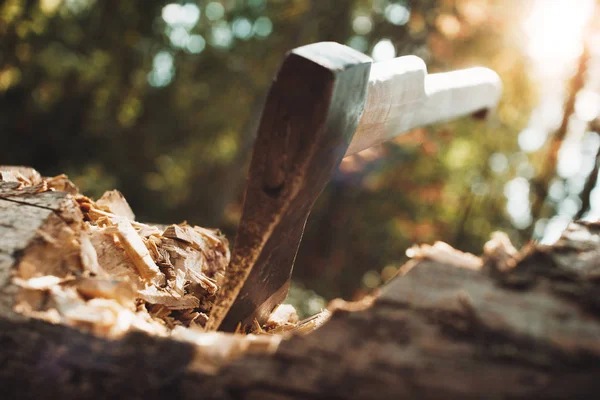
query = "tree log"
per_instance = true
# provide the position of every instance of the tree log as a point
(523, 326)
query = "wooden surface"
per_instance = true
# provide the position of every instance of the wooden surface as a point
(402, 96)
(439, 332)
(310, 115)
(23, 221)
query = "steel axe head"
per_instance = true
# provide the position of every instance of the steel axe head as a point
(312, 113)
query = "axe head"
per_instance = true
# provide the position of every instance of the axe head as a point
(311, 113)
(309, 123)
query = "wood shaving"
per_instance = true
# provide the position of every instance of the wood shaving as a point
(444, 253)
(39, 283)
(500, 253)
(216, 349)
(23, 175)
(62, 183)
(120, 291)
(128, 275)
(283, 314)
(136, 250)
(114, 202)
(169, 298)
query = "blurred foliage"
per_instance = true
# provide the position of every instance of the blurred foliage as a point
(161, 99)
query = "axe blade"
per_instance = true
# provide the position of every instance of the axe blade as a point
(312, 110)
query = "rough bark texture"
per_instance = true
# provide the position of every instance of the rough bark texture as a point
(436, 332)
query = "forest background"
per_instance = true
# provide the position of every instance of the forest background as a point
(160, 99)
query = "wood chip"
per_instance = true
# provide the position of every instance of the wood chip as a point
(114, 202)
(217, 349)
(499, 252)
(115, 289)
(62, 183)
(137, 251)
(113, 258)
(168, 298)
(25, 175)
(89, 257)
(40, 283)
(283, 314)
(444, 253)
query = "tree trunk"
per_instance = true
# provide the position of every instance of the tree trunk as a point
(524, 326)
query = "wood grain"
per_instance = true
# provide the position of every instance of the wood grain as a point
(402, 96)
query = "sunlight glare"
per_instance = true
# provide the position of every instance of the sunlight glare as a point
(587, 106)
(554, 30)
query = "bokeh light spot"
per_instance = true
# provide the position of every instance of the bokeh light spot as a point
(397, 14)
(569, 159)
(371, 279)
(263, 27)
(498, 163)
(531, 140)
(362, 25)
(181, 15)
(359, 43)
(517, 206)
(383, 50)
(242, 28)
(256, 3)
(554, 229)
(587, 105)
(196, 44)
(162, 69)
(221, 35)
(214, 11)
(179, 37)
(49, 7)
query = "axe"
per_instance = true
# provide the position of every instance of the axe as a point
(327, 101)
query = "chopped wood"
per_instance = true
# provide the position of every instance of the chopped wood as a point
(114, 202)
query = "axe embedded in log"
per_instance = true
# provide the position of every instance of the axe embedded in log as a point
(328, 101)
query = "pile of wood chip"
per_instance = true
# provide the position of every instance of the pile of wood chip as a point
(131, 275)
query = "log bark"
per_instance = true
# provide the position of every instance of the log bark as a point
(524, 326)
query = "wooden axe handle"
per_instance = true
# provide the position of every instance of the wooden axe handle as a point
(402, 96)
